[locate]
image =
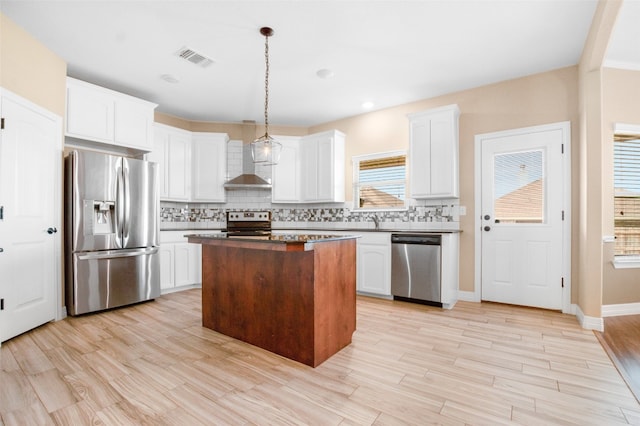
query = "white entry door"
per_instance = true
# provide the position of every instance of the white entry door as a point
(522, 216)
(30, 154)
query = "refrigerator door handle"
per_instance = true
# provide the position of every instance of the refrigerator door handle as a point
(112, 254)
(127, 202)
(120, 205)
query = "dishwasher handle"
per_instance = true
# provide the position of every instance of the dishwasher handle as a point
(421, 239)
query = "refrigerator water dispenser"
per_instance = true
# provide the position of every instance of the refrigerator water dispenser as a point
(102, 217)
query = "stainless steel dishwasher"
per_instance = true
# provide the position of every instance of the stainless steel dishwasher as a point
(416, 268)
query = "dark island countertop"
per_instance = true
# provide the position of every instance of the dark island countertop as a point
(279, 242)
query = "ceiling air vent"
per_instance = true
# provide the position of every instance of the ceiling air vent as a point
(194, 57)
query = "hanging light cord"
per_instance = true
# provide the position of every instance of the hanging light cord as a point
(266, 86)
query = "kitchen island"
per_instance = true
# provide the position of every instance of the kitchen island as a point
(293, 295)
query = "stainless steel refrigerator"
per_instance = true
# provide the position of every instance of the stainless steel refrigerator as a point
(111, 231)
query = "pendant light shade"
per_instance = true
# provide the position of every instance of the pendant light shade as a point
(266, 150)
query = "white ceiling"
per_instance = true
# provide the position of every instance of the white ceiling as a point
(388, 52)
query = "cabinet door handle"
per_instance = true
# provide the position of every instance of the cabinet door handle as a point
(52, 231)
(487, 228)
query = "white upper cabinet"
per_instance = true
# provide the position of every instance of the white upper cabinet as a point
(159, 154)
(209, 167)
(311, 169)
(90, 112)
(172, 151)
(322, 167)
(179, 166)
(133, 123)
(286, 174)
(192, 166)
(433, 153)
(101, 115)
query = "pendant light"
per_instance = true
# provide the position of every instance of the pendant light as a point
(266, 150)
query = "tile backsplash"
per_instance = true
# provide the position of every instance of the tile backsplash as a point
(180, 215)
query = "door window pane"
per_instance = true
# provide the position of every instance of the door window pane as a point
(518, 187)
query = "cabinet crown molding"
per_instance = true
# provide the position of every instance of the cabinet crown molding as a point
(447, 108)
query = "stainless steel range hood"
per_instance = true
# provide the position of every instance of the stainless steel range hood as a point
(248, 179)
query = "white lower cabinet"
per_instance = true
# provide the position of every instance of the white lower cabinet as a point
(188, 264)
(374, 263)
(166, 266)
(450, 269)
(180, 261)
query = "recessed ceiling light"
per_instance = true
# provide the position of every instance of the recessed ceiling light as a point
(325, 73)
(169, 78)
(367, 105)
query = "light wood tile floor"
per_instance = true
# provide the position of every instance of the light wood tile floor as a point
(154, 364)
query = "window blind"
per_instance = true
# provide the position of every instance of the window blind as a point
(381, 182)
(626, 170)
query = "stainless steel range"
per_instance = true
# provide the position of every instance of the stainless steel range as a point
(249, 223)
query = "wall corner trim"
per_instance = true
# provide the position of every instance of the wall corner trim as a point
(589, 323)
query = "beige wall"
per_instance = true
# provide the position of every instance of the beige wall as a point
(621, 99)
(234, 130)
(539, 99)
(29, 69)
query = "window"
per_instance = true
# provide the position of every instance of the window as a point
(379, 180)
(519, 190)
(626, 176)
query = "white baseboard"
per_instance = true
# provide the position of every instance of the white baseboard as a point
(468, 296)
(620, 309)
(589, 323)
(176, 289)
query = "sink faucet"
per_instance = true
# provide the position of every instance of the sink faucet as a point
(376, 221)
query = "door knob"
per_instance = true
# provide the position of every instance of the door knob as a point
(487, 228)
(52, 231)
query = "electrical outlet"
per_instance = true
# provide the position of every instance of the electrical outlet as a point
(463, 210)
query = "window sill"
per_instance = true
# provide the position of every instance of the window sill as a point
(626, 262)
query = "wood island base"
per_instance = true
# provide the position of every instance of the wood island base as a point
(296, 300)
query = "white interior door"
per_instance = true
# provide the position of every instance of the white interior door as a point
(522, 216)
(30, 151)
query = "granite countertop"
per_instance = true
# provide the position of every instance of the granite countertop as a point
(275, 238)
(328, 230)
(414, 231)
